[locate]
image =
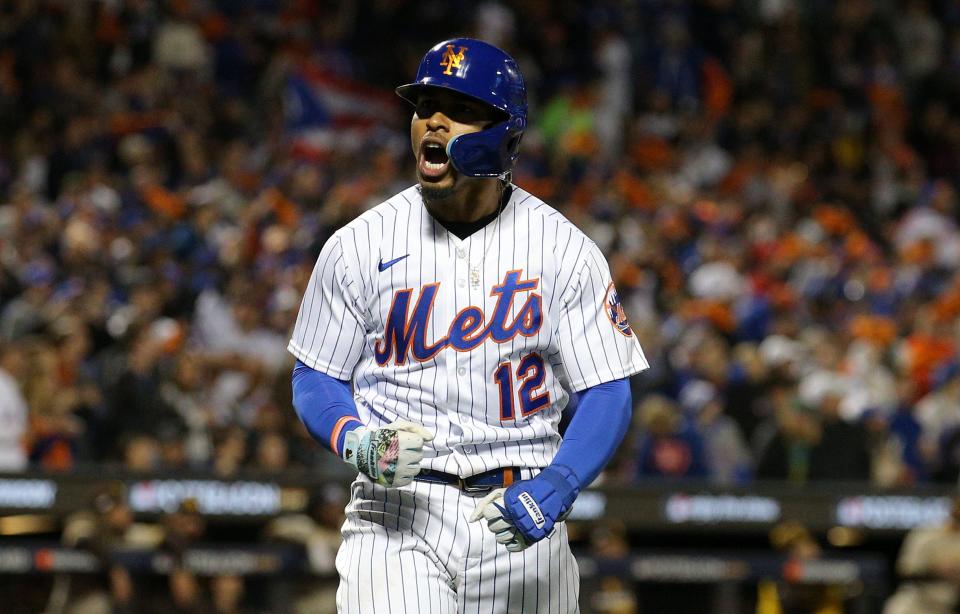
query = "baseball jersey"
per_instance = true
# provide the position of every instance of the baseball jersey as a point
(477, 339)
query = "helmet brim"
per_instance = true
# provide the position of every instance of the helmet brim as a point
(411, 93)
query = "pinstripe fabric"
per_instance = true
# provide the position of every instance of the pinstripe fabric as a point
(411, 550)
(347, 303)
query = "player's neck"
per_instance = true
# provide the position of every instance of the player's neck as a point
(470, 203)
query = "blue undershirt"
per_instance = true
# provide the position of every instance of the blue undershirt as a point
(597, 428)
(322, 402)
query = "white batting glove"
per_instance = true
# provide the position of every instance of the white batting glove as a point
(491, 508)
(389, 455)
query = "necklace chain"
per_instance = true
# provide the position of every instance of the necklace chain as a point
(476, 266)
(506, 191)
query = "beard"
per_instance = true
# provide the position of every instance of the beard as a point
(433, 194)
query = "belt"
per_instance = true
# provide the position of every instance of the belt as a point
(481, 482)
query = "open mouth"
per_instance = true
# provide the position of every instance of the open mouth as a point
(433, 159)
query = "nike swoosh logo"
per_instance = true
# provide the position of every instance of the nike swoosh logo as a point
(383, 266)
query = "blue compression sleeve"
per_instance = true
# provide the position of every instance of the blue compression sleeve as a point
(325, 406)
(596, 430)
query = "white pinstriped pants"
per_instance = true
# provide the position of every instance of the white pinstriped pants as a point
(411, 550)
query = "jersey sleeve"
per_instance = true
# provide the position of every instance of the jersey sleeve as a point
(594, 337)
(330, 328)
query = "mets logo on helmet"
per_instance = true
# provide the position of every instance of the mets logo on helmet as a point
(615, 311)
(451, 60)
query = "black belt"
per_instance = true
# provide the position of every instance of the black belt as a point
(481, 482)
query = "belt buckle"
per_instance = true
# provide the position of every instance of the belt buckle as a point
(474, 488)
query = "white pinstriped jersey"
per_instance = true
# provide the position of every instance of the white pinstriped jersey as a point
(477, 339)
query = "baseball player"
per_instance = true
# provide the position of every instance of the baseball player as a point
(437, 343)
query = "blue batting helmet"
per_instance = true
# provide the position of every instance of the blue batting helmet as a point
(482, 71)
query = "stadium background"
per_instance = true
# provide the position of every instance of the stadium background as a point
(773, 181)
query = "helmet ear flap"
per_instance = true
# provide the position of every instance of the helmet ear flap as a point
(514, 135)
(488, 153)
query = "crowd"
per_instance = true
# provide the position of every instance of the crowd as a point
(773, 181)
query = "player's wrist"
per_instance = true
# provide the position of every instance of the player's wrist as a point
(389, 455)
(345, 426)
(564, 481)
(533, 507)
(355, 443)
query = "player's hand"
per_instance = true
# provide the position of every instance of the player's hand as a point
(527, 511)
(389, 455)
(491, 509)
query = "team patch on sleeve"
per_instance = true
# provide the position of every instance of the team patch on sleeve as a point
(615, 311)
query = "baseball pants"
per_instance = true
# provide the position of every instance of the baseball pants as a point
(412, 550)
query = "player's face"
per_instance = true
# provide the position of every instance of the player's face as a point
(440, 116)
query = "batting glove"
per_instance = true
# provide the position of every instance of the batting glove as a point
(527, 511)
(389, 455)
(491, 508)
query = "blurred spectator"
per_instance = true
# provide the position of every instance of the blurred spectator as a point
(674, 63)
(728, 458)
(948, 462)
(183, 528)
(13, 409)
(26, 313)
(611, 551)
(142, 454)
(841, 451)
(56, 409)
(186, 393)
(615, 89)
(106, 531)
(172, 449)
(614, 597)
(227, 593)
(894, 448)
(272, 454)
(669, 446)
(791, 597)
(810, 440)
(242, 351)
(185, 594)
(921, 33)
(179, 44)
(137, 406)
(116, 522)
(929, 567)
(870, 383)
(230, 451)
(608, 541)
(786, 440)
(938, 415)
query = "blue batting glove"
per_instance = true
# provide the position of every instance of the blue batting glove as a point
(534, 506)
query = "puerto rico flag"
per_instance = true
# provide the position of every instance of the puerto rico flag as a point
(324, 112)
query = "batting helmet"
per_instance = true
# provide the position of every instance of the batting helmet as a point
(482, 71)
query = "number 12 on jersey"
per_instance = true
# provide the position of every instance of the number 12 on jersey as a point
(531, 374)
